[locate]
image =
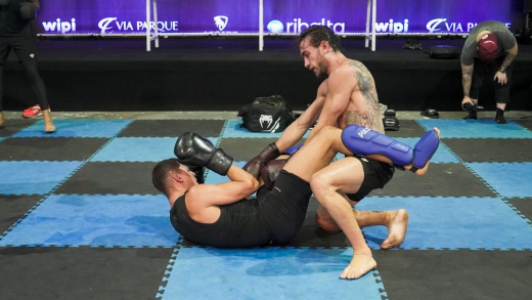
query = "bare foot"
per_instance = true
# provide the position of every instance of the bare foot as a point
(48, 124)
(423, 171)
(1, 118)
(396, 224)
(360, 264)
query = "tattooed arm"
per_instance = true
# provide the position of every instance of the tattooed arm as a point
(500, 76)
(510, 55)
(467, 77)
(340, 85)
(368, 113)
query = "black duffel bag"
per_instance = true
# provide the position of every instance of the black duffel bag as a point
(266, 114)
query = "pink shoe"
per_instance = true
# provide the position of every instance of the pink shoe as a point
(34, 111)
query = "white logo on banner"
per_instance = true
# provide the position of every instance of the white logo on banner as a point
(275, 26)
(105, 25)
(392, 26)
(221, 22)
(60, 26)
(434, 24)
(441, 24)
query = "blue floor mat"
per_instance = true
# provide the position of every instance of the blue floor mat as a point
(476, 129)
(272, 273)
(487, 223)
(76, 128)
(108, 221)
(32, 177)
(508, 179)
(139, 149)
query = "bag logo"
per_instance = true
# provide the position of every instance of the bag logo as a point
(268, 121)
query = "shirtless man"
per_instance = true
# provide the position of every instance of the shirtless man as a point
(348, 96)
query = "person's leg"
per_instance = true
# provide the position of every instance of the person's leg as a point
(316, 153)
(4, 52)
(366, 142)
(476, 83)
(320, 150)
(328, 185)
(396, 221)
(502, 93)
(25, 50)
(1, 94)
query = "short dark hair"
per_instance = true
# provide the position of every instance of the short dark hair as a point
(319, 33)
(159, 174)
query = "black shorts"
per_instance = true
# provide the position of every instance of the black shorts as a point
(23, 45)
(376, 176)
(284, 208)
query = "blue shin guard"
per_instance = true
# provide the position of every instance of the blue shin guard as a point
(425, 149)
(364, 141)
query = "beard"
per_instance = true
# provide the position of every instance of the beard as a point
(319, 71)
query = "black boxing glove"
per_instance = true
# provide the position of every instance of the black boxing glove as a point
(196, 151)
(271, 171)
(198, 172)
(256, 164)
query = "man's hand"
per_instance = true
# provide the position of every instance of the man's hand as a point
(501, 78)
(467, 103)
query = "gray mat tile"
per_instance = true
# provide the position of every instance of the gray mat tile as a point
(459, 274)
(13, 208)
(13, 126)
(172, 128)
(524, 206)
(408, 128)
(110, 178)
(81, 273)
(491, 150)
(447, 180)
(52, 149)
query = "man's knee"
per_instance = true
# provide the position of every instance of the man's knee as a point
(326, 133)
(321, 183)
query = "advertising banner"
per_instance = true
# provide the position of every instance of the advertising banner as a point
(280, 16)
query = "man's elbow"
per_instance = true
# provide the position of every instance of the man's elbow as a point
(251, 184)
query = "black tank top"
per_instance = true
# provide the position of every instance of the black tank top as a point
(239, 225)
(11, 24)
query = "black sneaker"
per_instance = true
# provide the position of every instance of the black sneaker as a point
(471, 116)
(499, 117)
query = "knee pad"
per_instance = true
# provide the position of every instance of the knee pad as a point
(364, 141)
